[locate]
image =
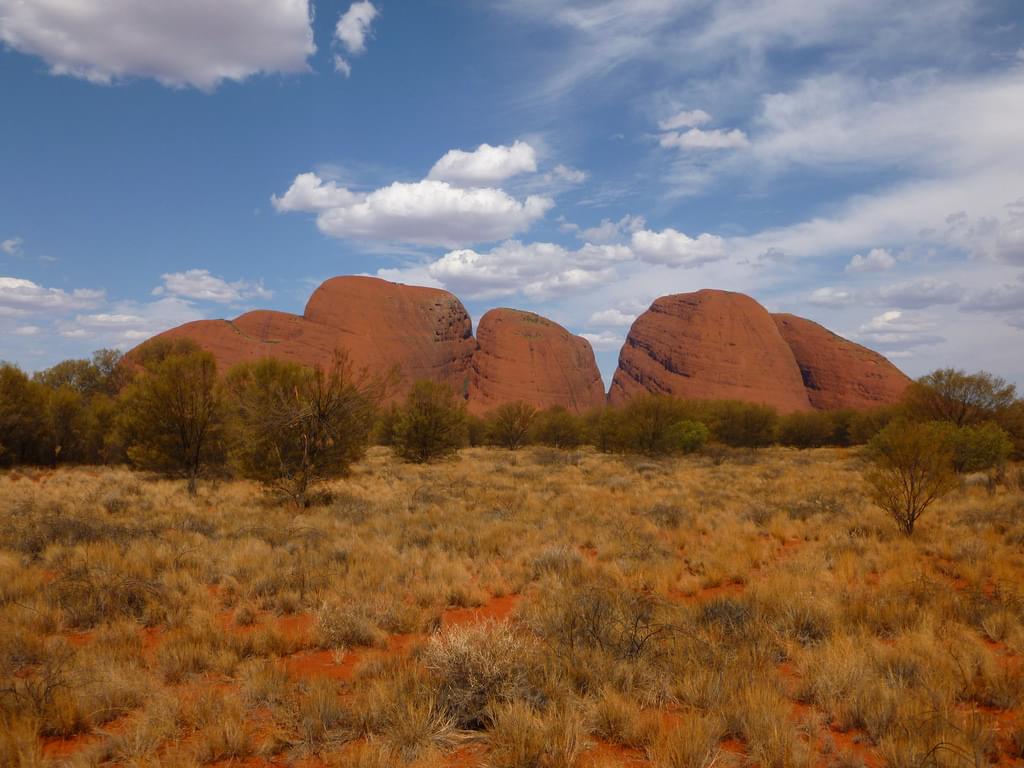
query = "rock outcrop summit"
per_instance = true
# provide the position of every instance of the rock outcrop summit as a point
(721, 345)
(704, 345)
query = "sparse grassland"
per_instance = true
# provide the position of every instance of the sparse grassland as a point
(534, 608)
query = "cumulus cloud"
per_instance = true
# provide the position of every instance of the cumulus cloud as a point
(896, 329)
(341, 66)
(612, 318)
(312, 194)
(604, 341)
(536, 270)
(11, 246)
(876, 260)
(427, 212)
(27, 330)
(485, 165)
(200, 285)
(127, 323)
(182, 43)
(354, 26)
(19, 296)
(918, 294)
(831, 297)
(685, 119)
(676, 249)
(696, 138)
(609, 231)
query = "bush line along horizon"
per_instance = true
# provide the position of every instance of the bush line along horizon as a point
(290, 426)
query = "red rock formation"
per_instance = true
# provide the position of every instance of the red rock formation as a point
(424, 331)
(838, 373)
(523, 356)
(709, 345)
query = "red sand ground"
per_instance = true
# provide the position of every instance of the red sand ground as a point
(829, 742)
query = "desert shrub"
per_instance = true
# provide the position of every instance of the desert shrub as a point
(431, 424)
(172, 414)
(864, 425)
(980, 447)
(22, 417)
(739, 424)
(960, 398)
(603, 428)
(346, 624)
(623, 623)
(295, 426)
(810, 429)
(557, 427)
(477, 431)
(658, 425)
(691, 743)
(384, 425)
(508, 425)
(911, 466)
(523, 736)
(477, 668)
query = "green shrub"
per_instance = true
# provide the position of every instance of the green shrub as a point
(658, 425)
(980, 447)
(739, 424)
(508, 425)
(431, 424)
(911, 468)
(807, 429)
(557, 427)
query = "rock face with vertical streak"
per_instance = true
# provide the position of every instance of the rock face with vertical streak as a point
(709, 345)
(837, 373)
(523, 356)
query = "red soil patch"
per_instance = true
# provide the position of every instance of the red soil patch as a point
(468, 756)
(603, 753)
(496, 609)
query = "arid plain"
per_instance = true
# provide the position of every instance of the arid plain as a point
(538, 607)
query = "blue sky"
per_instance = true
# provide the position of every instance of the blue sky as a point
(858, 162)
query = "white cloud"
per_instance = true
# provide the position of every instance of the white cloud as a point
(354, 26)
(27, 330)
(427, 212)
(195, 43)
(685, 119)
(677, 249)
(876, 260)
(919, 294)
(485, 165)
(12, 246)
(695, 138)
(566, 174)
(200, 285)
(609, 231)
(535, 270)
(341, 66)
(21, 296)
(604, 341)
(831, 297)
(898, 330)
(127, 323)
(612, 318)
(311, 194)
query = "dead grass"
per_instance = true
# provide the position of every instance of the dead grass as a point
(688, 612)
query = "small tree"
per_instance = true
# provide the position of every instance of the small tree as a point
(742, 425)
(807, 429)
(657, 425)
(431, 424)
(557, 427)
(911, 467)
(509, 424)
(22, 417)
(980, 447)
(172, 415)
(296, 426)
(958, 397)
